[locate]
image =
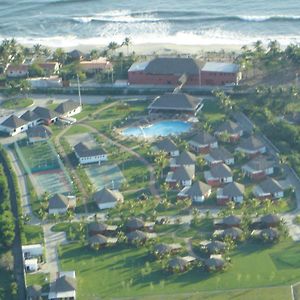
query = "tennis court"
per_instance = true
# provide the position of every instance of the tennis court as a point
(105, 175)
(44, 167)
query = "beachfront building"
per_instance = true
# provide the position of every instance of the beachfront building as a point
(176, 103)
(50, 67)
(232, 191)
(217, 73)
(107, 198)
(92, 67)
(17, 71)
(218, 174)
(13, 125)
(86, 155)
(68, 108)
(202, 142)
(165, 71)
(198, 192)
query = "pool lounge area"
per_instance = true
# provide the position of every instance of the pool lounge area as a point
(160, 128)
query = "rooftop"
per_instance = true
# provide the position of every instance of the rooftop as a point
(220, 67)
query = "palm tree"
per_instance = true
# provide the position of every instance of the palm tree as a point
(127, 42)
(37, 50)
(113, 46)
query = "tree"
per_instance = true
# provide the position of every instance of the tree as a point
(113, 46)
(7, 261)
(7, 228)
(60, 55)
(35, 70)
(127, 42)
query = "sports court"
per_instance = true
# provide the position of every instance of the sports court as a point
(105, 175)
(44, 167)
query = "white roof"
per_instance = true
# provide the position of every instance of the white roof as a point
(31, 247)
(138, 66)
(220, 67)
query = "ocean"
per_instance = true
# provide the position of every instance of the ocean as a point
(69, 23)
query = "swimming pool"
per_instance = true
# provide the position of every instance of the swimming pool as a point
(162, 128)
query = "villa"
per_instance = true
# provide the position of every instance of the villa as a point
(138, 236)
(59, 204)
(230, 130)
(46, 115)
(218, 156)
(168, 146)
(107, 198)
(101, 228)
(182, 176)
(266, 221)
(99, 240)
(38, 133)
(19, 71)
(214, 263)
(268, 188)
(252, 146)
(232, 191)
(213, 247)
(138, 224)
(198, 192)
(180, 264)
(50, 67)
(64, 287)
(228, 222)
(161, 250)
(176, 103)
(68, 108)
(85, 155)
(13, 125)
(96, 66)
(233, 232)
(32, 118)
(185, 158)
(269, 234)
(218, 174)
(259, 167)
(165, 71)
(34, 292)
(202, 142)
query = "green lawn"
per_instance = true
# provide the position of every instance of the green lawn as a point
(122, 272)
(17, 103)
(32, 235)
(40, 279)
(212, 111)
(76, 129)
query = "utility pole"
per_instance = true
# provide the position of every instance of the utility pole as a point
(79, 92)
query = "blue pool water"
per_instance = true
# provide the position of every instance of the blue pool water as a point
(162, 128)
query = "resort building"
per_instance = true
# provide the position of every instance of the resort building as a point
(213, 247)
(138, 224)
(198, 192)
(181, 177)
(180, 264)
(229, 131)
(218, 156)
(232, 191)
(64, 287)
(267, 234)
(32, 251)
(86, 155)
(218, 174)
(266, 221)
(228, 222)
(185, 158)
(99, 240)
(59, 204)
(101, 228)
(233, 233)
(38, 133)
(268, 188)
(176, 104)
(259, 167)
(45, 115)
(217, 73)
(34, 292)
(31, 265)
(32, 118)
(50, 67)
(202, 142)
(166, 71)
(252, 146)
(168, 146)
(140, 237)
(13, 125)
(107, 198)
(161, 250)
(68, 108)
(214, 263)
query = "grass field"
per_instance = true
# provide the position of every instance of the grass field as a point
(32, 235)
(212, 111)
(17, 103)
(131, 272)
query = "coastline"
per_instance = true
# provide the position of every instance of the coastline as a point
(158, 48)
